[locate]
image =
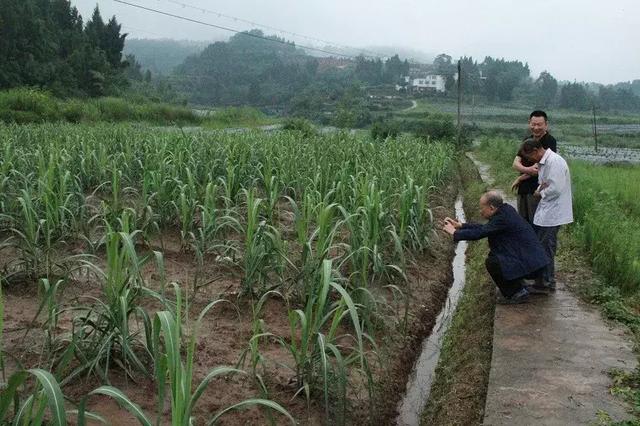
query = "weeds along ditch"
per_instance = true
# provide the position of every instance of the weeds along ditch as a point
(156, 276)
(459, 390)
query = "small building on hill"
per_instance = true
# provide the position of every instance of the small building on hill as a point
(423, 83)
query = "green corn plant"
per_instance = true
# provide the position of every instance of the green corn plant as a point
(178, 374)
(264, 250)
(34, 239)
(4, 378)
(49, 293)
(186, 210)
(32, 411)
(314, 343)
(319, 245)
(207, 237)
(272, 188)
(230, 185)
(303, 217)
(101, 333)
(115, 205)
(258, 333)
(46, 395)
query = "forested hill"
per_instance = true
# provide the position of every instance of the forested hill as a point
(252, 68)
(46, 44)
(246, 69)
(162, 56)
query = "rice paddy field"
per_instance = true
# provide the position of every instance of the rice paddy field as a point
(154, 277)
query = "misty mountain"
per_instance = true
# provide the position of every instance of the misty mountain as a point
(162, 56)
(412, 55)
(250, 68)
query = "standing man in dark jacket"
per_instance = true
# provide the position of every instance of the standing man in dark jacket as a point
(527, 182)
(515, 250)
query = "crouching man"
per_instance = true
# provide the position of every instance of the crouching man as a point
(515, 251)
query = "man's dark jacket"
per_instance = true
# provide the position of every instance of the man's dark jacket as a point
(511, 239)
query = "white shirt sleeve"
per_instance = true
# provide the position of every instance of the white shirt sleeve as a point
(556, 180)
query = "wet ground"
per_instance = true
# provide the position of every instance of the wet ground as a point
(550, 363)
(423, 374)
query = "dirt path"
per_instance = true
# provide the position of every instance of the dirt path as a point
(414, 104)
(551, 358)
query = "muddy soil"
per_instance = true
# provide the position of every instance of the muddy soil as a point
(226, 332)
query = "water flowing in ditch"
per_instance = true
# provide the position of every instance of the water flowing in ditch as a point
(423, 373)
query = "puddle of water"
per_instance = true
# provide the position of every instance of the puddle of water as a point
(423, 374)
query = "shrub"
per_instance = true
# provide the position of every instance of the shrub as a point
(301, 125)
(165, 113)
(76, 111)
(24, 105)
(436, 126)
(115, 109)
(385, 129)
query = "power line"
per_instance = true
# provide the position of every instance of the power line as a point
(184, 18)
(280, 30)
(127, 27)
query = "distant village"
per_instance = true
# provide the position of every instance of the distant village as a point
(422, 78)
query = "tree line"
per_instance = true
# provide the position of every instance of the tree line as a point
(45, 43)
(500, 80)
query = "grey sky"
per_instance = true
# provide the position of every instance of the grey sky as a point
(585, 40)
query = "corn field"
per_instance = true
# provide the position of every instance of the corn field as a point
(323, 225)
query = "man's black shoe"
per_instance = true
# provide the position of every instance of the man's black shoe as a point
(522, 296)
(538, 290)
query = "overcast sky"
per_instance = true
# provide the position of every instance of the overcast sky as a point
(583, 40)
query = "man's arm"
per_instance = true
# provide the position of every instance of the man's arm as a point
(471, 225)
(555, 182)
(516, 183)
(452, 225)
(476, 232)
(518, 166)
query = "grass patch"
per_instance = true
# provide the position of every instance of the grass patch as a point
(237, 117)
(25, 105)
(459, 391)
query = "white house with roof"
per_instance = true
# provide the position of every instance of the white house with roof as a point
(424, 83)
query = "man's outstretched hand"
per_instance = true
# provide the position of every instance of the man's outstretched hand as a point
(450, 225)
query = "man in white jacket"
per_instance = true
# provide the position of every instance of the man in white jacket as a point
(555, 207)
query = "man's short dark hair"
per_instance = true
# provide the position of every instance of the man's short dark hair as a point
(539, 113)
(529, 145)
(494, 199)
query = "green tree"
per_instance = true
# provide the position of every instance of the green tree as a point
(394, 68)
(470, 75)
(575, 96)
(546, 89)
(502, 77)
(369, 71)
(616, 98)
(43, 43)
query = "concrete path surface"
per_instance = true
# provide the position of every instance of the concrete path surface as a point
(550, 360)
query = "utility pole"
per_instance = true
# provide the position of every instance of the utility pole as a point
(595, 128)
(459, 103)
